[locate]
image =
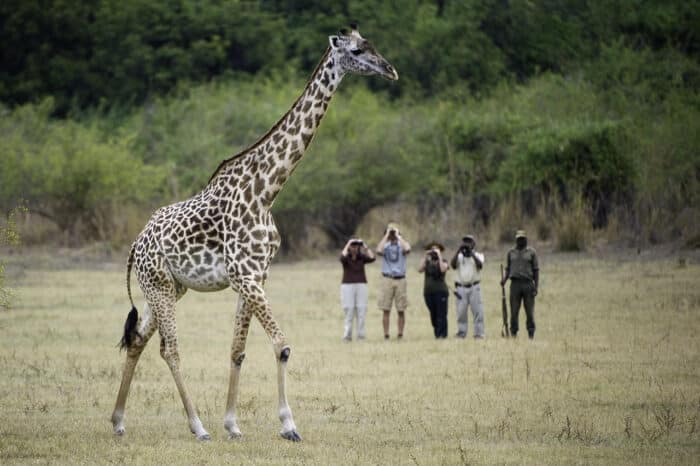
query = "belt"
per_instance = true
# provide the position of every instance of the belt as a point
(466, 285)
(397, 277)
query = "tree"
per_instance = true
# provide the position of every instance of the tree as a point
(8, 237)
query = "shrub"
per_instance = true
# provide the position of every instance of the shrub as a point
(8, 237)
(573, 226)
(69, 173)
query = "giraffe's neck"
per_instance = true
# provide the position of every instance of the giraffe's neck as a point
(261, 170)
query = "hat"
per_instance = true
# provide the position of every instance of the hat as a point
(468, 238)
(520, 234)
(392, 226)
(434, 245)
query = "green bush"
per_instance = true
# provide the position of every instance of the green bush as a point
(8, 237)
(70, 173)
(572, 225)
(524, 145)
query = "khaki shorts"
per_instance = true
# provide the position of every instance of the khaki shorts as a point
(393, 291)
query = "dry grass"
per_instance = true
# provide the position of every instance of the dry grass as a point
(613, 376)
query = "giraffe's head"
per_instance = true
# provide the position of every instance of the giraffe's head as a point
(355, 54)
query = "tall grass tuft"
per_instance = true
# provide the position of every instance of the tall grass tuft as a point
(573, 228)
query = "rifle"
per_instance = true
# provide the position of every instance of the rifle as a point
(505, 331)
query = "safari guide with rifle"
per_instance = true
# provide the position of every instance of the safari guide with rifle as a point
(468, 264)
(524, 273)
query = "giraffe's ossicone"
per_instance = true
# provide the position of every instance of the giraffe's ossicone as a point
(224, 236)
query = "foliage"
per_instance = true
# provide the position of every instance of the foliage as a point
(87, 53)
(534, 100)
(69, 172)
(8, 237)
(573, 225)
(115, 53)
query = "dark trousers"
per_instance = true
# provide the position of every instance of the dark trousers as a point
(437, 305)
(522, 291)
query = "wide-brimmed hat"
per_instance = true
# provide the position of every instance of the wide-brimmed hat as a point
(392, 226)
(466, 238)
(434, 245)
(520, 234)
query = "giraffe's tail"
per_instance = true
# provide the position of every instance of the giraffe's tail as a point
(133, 317)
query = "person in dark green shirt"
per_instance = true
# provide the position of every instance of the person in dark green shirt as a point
(524, 272)
(435, 291)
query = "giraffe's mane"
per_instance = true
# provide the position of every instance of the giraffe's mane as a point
(225, 162)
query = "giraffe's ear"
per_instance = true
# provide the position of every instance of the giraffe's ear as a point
(333, 41)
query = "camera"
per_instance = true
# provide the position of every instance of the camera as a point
(356, 242)
(432, 255)
(465, 250)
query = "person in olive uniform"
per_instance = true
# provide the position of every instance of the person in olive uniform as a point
(435, 291)
(524, 273)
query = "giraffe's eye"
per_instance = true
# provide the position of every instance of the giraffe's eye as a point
(357, 52)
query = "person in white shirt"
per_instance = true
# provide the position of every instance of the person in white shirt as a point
(468, 264)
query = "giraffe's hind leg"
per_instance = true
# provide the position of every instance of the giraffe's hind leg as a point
(163, 303)
(146, 326)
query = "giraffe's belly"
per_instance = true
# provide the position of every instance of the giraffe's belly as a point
(200, 276)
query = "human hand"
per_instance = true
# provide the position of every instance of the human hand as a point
(534, 292)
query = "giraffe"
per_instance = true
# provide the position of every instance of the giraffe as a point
(225, 237)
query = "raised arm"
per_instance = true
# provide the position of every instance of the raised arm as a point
(405, 246)
(382, 244)
(443, 263)
(367, 252)
(453, 262)
(344, 252)
(478, 260)
(421, 266)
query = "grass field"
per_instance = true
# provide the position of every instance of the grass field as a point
(613, 376)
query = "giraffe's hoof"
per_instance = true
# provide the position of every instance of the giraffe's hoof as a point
(119, 431)
(205, 437)
(235, 435)
(292, 435)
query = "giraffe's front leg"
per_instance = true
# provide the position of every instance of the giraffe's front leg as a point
(289, 429)
(240, 334)
(255, 298)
